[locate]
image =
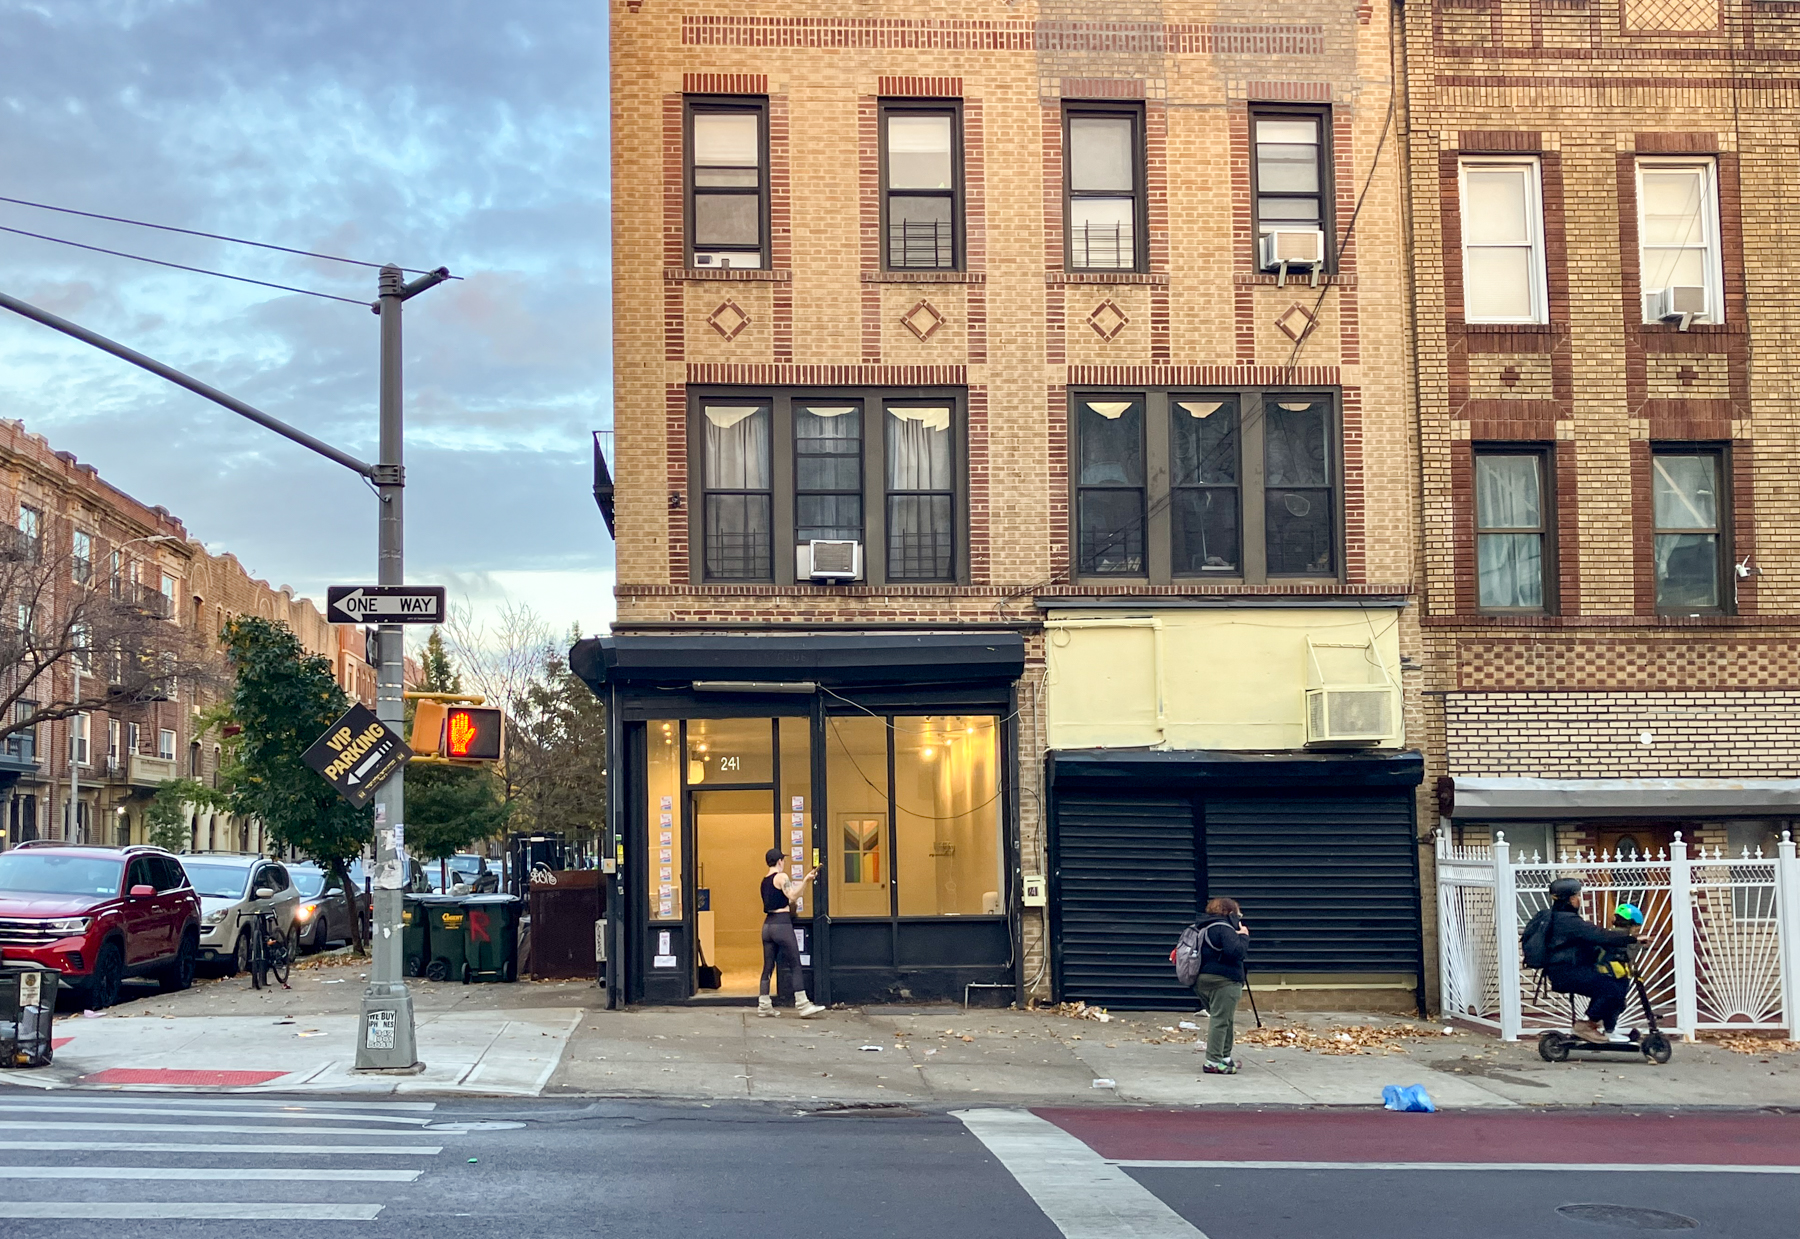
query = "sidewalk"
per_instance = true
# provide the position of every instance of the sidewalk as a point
(532, 1039)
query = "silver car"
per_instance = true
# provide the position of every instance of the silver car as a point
(227, 884)
(326, 911)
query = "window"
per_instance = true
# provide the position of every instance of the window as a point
(1503, 242)
(81, 558)
(22, 745)
(1689, 528)
(727, 189)
(131, 738)
(165, 744)
(112, 742)
(116, 577)
(1678, 240)
(1512, 529)
(168, 593)
(81, 646)
(1251, 487)
(1104, 202)
(780, 470)
(862, 851)
(31, 531)
(922, 199)
(1291, 172)
(78, 738)
(170, 876)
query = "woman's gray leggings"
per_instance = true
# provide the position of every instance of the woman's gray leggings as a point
(779, 944)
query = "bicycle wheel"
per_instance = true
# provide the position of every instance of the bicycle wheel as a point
(259, 960)
(281, 956)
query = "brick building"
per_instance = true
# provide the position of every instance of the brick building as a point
(1014, 493)
(1599, 197)
(61, 512)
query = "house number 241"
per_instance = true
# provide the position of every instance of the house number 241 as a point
(729, 763)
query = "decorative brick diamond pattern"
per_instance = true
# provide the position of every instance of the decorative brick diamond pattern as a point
(1108, 320)
(923, 320)
(1296, 322)
(728, 320)
(1671, 14)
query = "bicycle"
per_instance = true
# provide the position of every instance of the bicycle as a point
(270, 951)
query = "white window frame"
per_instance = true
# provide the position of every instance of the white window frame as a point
(1709, 218)
(165, 743)
(78, 738)
(112, 742)
(1534, 223)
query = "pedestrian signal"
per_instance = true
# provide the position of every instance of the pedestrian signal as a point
(472, 733)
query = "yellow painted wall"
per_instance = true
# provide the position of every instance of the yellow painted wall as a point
(1228, 679)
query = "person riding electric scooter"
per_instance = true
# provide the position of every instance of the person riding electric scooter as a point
(1576, 947)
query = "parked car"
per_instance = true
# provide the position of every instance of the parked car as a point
(325, 908)
(98, 915)
(426, 877)
(227, 883)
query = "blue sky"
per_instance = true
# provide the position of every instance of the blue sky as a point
(471, 135)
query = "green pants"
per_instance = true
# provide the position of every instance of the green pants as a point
(1220, 997)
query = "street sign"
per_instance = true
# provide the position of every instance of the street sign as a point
(358, 754)
(385, 604)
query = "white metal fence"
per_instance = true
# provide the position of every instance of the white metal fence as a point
(1721, 934)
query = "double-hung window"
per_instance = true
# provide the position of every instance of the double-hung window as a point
(1688, 510)
(165, 744)
(81, 557)
(1514, 545)
(1291, 173)
(1234, 484)
(31, 531)
(1103, 176)
(727, 182)
(921, 202)
(1678, 240)
(1503, 242)
(784, 469)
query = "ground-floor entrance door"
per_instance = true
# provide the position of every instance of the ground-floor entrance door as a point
(733, 831)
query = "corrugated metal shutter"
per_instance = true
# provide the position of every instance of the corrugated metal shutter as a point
(1126, 886)
(1326, 881)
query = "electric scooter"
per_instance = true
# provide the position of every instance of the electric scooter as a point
(1555, 1046)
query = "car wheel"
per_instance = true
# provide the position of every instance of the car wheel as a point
(321, 933)
(180, 974)
(101, 990)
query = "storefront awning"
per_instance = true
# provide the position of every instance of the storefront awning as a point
(1220, 768)
(1554, 799)
(837, 660)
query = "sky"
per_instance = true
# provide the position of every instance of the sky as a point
(458, 133)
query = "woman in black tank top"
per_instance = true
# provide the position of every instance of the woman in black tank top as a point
(779, 945)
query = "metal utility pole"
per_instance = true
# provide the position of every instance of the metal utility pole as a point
(75, 720)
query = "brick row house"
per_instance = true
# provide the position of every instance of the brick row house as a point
(1015, 496)
(67, 532)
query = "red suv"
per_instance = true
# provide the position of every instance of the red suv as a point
(99, 915)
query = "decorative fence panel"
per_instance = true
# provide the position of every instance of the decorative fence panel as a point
(1720, 944)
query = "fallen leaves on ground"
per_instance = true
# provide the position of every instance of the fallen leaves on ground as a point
(1347, 1039)
(1752, 1042)
(340, 958)
(1075, 1011)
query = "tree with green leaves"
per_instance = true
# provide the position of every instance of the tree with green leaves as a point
(556, 754)
(284, 700)
(449, 808)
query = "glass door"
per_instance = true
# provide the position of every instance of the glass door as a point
(732, 832)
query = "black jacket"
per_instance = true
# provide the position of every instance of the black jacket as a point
(1577, 941)
(1222, 950)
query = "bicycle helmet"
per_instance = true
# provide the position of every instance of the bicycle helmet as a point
(1628, 912)
(1565, 888)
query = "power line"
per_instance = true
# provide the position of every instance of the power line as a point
(242, 279)
(211, 236)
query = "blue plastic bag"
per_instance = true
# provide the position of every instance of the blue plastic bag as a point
(1408, 1097)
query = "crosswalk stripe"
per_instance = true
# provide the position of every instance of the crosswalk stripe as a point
(151, 1146)
(246, 1129)
(199, 1210)
(209, 1112)
(295, 1174)
(136, 1097)
(1556, 1167)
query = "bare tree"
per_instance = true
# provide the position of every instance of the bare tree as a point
(503, 662)
(124, 637)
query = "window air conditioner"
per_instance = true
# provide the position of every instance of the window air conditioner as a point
(821, 560)
(1363, 714)
(1302, 249)
(1678, 301)
(712, 260)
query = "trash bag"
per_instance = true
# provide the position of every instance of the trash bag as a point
(1407, 1097)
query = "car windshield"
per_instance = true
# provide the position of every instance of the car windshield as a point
(217, 881)
(465, 864)
(46, 873)
(309, 882)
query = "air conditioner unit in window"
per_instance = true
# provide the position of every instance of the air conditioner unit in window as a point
(735, 260)
(1677, 302)
(712, 260)
(1300, 249)
(1360, 714)
(822, 560)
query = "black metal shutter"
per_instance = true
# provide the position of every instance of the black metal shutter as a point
(1126, 886)
(1326, 881)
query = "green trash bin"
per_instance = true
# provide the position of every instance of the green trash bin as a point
(413, 956)
(445, 929)
(491, 938)
(27, 1009)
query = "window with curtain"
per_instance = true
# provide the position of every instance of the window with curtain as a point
(726, 186)
(1511, 530)
(828, 448)
(1299, 502)
(1109, 496)
(1290, 171)
(1503, 242)
(1689, 529)
(739, 513)
(1678, 233)
(921, 494)
(1204, 485)
(919, 147)
(1103, 198)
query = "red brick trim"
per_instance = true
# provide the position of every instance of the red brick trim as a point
(975, 228)
(1743, 523)
(1355, 484)
(1512, 421)
(674, 228)
(1045, 594)
(1343, 158)
(750, 374)
(979, 474)
(781, 235)
(1288, 92)
(868, 197)
(1500, 141)
(919, 87)
(1462, 527)
(938, 35)
(1053, 279)
(749, 275)
(924, 277)
(1243, 301)
(1568, 529)
(1102, 88)
(1677, 143)
(725, 83)
(1203, 376)
(1643, 535)
(1056, 431)
(1055, 259)
(675, 464)
(1620, 622)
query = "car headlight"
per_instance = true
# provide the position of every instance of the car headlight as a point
(71, 925)
(216, 918)
(305, 911)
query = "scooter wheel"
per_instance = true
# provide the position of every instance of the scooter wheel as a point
(1553, 1047)
(1657, 1048)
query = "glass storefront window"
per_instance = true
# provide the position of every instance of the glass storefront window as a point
(662, 825)
(856, 780)
(947, 816)
(794, 807)
(729, 750)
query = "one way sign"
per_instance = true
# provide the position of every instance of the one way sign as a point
(385, 604)
(358, 754)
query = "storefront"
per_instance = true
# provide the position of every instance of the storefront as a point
(885, 759)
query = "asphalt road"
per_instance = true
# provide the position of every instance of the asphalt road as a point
(197, 1165)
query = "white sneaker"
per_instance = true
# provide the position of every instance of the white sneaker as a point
(764, 1006)
(805, 1007)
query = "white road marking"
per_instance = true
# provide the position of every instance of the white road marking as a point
(40, 1107)
(1083, 1194)
(297, 1174)
(242, 1129)
(1579, 1167)
(150, 1146)
(130, 1093)
(143, 1210)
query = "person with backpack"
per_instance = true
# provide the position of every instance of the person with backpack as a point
(1568, 949)
(1219, 946)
